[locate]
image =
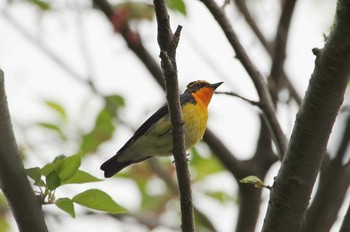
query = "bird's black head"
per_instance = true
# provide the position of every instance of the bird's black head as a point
(194, 86)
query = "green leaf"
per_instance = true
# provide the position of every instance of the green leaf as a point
(80, 177)
(256, 181)
(50, 167)
(34, 173)
(66, 205)
(98, 200)
(53, 180)
(57, 108)
(177, 5)
(43, 5)
(64, 167)
(68, 167)
(53, 127)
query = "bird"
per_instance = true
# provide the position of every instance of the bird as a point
(154, 137)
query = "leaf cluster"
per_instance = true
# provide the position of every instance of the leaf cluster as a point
(65, 170)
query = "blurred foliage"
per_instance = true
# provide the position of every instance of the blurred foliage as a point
(136, 10)
(41, 4)
(177, 5)
(4, 224)
(105, 124)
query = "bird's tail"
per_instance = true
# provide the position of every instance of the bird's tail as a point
(113, 166)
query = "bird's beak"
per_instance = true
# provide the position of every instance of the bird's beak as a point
(214, 86)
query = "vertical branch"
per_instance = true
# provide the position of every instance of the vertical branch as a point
(306, 150)
(13, 180)
(168, 43)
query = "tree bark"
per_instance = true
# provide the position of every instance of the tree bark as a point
(307, 147)
(13, 180)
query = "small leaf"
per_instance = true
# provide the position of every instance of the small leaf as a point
(53, 180)
(177, 5)
(57, 108)
(68, 167)
(113, 102)
(80, 177)
(41, 4)
(65, 167)
(98, 200)
(66, 205)
(34, 173)
(50, 167)
(256, 181)
(53, 127)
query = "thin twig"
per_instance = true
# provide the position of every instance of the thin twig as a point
(132, 39)
(242, 6)
(168, 43)
(254, 103)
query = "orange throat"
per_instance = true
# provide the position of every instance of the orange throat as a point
(203, 95)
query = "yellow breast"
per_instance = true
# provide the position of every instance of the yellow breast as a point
(195, 117)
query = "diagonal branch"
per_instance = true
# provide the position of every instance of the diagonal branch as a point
(13, 180)
(132, 39)
(278, 43)
(168, 43)
(292, 188)
(263, 92)
(242, 6)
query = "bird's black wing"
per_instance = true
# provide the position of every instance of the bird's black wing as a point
(113, 166)
(164, 110)
(146, 125)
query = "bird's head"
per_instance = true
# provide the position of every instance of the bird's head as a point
(202, 90)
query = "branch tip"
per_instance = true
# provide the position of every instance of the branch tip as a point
(316, 51)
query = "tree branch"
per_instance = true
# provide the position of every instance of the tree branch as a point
(242, 6)
(263, 92)
(292, 188)
(345, 227)
(330, 194)
(279, 51)
(334, 181)
(132, 39)
(168, 43)
(13, 180)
